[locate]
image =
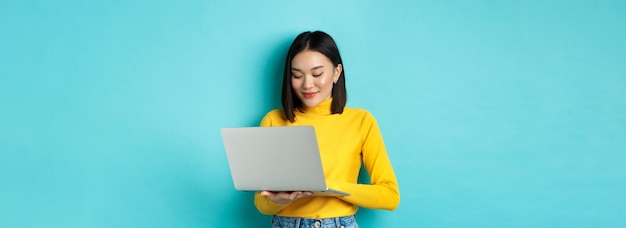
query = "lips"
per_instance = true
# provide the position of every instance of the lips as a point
(309, 95)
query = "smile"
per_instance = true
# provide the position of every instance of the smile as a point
(309, 95)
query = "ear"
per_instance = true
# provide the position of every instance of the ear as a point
(338, 71)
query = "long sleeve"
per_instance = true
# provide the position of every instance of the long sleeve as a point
(383, 191)
(346, 142)
(266, 206)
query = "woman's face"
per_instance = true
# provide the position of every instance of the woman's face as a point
(313, 76)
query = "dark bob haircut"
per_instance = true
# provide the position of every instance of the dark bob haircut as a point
(320, 42)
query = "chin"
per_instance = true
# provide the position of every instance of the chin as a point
(311, 104)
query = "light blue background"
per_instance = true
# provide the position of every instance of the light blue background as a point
(494, 113)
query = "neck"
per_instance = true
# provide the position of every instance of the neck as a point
(322, 108)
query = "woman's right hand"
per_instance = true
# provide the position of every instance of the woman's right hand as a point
(285, 197)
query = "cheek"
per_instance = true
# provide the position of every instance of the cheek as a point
(325, 82)
(295, 85)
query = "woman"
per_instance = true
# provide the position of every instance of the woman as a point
(314, 94)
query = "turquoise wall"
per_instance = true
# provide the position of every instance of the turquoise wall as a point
(495, 113)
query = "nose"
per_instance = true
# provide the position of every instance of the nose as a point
(307, 83)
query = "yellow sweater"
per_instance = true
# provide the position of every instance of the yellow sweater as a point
(345, 141)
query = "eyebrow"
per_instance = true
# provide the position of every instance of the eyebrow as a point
(314, 68)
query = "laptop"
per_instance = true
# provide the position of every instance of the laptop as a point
(276, 159)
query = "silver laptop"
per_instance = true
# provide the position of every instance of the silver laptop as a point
(276, 159)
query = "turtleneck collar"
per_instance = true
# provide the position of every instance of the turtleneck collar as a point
(322, 108)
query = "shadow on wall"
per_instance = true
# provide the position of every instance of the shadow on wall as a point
(272, 78)
(364, 215)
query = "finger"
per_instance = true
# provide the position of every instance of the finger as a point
(304, 195)
(294, 195)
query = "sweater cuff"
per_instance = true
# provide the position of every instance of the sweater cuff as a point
(275, 206)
